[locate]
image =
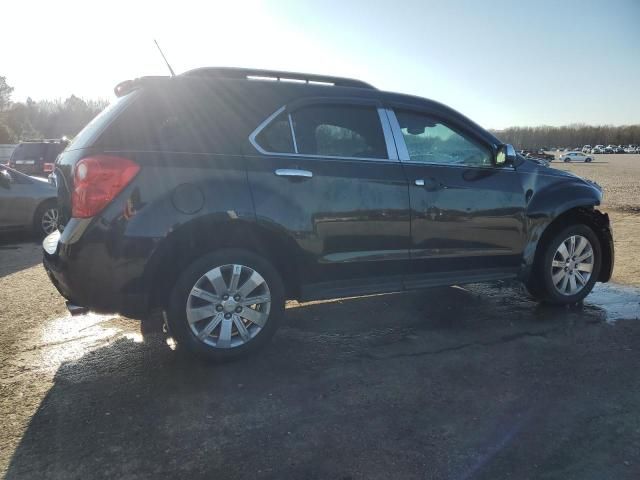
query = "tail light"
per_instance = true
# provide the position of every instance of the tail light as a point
(47, 168)
(97, 180)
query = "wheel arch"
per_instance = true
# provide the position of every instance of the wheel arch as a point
(578, 214)
(198, 237)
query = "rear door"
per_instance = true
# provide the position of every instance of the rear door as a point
(327, 174)
(467, 215)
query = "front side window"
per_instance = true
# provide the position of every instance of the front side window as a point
(429, 140)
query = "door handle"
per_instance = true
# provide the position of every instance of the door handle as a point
(292, 172)
(430, 184)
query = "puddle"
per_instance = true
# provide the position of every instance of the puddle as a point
(619, 302)
(69, 338)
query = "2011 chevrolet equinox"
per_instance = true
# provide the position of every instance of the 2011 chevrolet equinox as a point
(219, 193)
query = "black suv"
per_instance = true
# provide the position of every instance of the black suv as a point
(36, 157)
(219, 193)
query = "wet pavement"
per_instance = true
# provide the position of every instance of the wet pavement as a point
(473, 382)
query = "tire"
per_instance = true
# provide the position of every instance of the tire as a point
(588, 160)
(566, 160)
(45, 220)
(212, 337)
(547, 279)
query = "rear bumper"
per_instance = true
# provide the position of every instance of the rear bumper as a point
(85, 279)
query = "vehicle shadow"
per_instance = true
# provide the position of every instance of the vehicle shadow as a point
(347, 387)
(18, 250)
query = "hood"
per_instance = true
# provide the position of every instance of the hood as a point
(541, 168)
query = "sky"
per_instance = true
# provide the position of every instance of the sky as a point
(501, 63)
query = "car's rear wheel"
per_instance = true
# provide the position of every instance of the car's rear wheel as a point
(226, 305)
(566, 160)
(568, 266)
(588, 160)
(45, 220)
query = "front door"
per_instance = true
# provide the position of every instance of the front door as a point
(327, 175)
(467, 215)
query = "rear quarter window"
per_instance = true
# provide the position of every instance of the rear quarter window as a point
(90, 133)
(172, 120)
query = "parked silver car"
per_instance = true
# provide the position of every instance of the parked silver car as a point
(27, 203)
(576, 157)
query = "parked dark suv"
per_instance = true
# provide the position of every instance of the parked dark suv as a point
(219, 193)
(36, 157)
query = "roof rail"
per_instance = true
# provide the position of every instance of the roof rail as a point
(275, 75)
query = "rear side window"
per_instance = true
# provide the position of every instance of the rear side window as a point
(340, 131)
(328, 131)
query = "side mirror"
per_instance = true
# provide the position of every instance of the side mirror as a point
(5, 179)
(506, 155)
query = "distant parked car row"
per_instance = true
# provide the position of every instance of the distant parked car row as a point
(611, 149)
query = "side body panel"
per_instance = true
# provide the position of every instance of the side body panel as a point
(117, 254)
(464, 219)
(350, 221)
(550, 193)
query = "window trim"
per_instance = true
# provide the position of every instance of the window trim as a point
(293, 133)
(403, 151)
(392, 154)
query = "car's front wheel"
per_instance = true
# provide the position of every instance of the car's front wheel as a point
(226, 304)
(568, 266)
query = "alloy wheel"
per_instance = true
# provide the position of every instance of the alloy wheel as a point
(49, 220)
(572, 265)
(228, 306)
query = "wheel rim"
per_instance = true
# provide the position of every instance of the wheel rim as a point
(228, 306)
(49, 221)
(572, 265)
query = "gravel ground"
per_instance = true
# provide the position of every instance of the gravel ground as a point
(474, 382)
(619, 175)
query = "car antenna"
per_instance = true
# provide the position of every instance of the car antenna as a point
(173, 74)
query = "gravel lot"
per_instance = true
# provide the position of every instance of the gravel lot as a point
(474, 382)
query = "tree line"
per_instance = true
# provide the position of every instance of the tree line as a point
(43, 119)
(569, 136)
